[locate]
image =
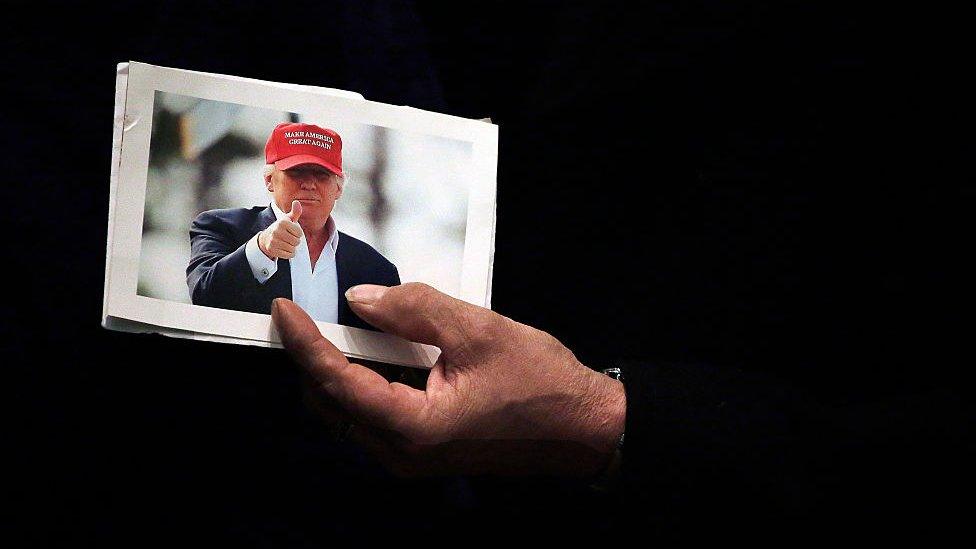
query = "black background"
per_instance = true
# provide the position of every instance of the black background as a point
(780, 188)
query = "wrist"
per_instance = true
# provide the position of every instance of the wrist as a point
(608, 414)
(616, 414)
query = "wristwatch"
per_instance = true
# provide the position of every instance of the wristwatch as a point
(608, 477)
(618, 374)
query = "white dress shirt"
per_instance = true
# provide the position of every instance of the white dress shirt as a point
(316, 290)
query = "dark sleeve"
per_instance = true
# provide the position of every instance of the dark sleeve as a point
(218, 272)
(704, 442)
(712, 450)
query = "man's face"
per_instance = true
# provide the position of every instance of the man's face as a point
(314, 186)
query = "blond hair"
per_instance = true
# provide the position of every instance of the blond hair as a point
(270, 169)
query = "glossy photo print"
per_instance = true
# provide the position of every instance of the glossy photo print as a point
(223, 202)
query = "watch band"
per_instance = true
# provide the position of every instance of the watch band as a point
(618, 374)
(608, 477)
(615, 373)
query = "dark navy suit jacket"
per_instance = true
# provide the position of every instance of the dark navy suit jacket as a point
(219, 275)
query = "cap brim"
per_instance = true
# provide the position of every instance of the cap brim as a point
(292, 161)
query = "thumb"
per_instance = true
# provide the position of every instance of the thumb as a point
(420, 313)
(365, 394)
(296, 211)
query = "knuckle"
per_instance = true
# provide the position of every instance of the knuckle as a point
(416, 295)
(483, 328)
(420, 289)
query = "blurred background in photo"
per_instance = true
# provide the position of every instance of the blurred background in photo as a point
(405, 193)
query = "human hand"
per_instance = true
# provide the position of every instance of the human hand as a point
(502, 398)
(282, 237)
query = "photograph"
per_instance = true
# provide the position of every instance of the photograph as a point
(245, 203)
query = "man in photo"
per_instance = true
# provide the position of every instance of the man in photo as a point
(244, 258)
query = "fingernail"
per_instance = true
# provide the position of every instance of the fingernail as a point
(366, 294)
(274, 304)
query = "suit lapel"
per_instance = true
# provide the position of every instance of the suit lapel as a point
(344, 278)
(264, 220)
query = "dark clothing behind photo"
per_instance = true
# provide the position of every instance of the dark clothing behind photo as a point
(756, 211)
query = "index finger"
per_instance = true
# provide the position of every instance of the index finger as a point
(364, 393)
(420, 313)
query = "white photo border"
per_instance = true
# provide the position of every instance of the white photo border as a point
(137, 84)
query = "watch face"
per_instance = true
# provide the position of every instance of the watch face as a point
(615, 373)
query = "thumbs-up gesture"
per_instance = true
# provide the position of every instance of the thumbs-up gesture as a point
(282, 237)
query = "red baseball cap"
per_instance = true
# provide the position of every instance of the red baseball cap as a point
(294, 143)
